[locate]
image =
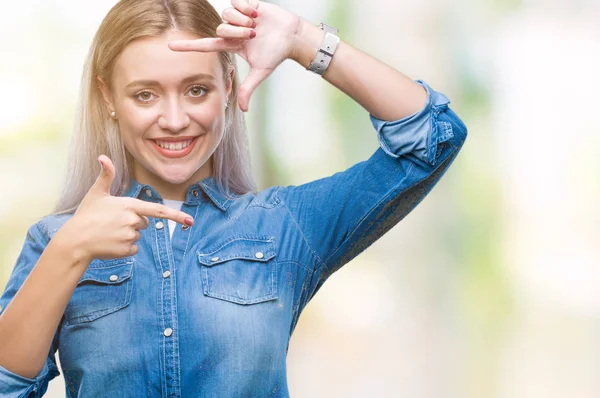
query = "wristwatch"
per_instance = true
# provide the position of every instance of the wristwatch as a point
(325, 54)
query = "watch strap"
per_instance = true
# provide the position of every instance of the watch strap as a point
(328, 46)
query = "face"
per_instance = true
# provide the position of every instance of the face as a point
(170, 109)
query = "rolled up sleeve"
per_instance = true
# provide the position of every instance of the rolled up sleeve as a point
(13, 385)
(418, 134)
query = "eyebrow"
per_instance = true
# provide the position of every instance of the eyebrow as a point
(188, 79)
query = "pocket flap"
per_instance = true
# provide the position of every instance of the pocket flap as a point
(113, 273)
(253, 249)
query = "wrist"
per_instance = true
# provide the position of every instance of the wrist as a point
(307, 41)
(71, 247)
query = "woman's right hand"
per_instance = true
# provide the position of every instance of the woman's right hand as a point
(106, 226)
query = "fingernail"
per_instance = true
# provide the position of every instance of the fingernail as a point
(254, 14)
(189, 221)
(252, 34)
(101, 165)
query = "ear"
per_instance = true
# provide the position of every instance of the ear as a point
(230, 78)
(105, 93)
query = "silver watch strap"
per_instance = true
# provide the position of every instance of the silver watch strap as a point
(330, 42)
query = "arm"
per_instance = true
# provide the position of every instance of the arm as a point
(343, 214)
(383, 91)
(34, 300)
(419, 137)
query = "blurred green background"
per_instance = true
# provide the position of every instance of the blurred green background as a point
(489, 288)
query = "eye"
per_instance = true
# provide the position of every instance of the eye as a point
(144, 96)
(196, 91)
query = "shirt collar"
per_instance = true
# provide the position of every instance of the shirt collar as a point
(207, 186)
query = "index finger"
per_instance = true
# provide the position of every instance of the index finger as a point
(157, 210)
(207, 44)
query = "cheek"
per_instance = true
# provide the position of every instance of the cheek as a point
(134, 124)
(132, 129)
(131, 134)
(209, 116)
(134, 118)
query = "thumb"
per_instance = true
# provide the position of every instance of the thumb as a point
(106, 176)
(254, 78)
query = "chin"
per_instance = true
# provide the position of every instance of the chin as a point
(177, 179)
(174, 175)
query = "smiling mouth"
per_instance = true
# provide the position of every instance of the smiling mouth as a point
(170, 149)
(172, 146)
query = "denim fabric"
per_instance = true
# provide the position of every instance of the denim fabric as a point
(220, 323)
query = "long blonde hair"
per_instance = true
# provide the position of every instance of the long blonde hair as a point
(95, 133)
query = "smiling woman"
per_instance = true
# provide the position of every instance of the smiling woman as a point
(135, 306)
(170, 108)
(156, 94)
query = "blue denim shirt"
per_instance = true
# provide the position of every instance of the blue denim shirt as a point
(210, 312)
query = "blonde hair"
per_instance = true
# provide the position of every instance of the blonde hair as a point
(95, 133)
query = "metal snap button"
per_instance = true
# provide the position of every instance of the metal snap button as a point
(185, 227)
(214, 259)
(259, 255)
(159, 225)
(195, 193)
(114, 278)
(168, 332)
(166, 274)
(148, 193)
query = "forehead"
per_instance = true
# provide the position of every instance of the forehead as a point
(151, 59)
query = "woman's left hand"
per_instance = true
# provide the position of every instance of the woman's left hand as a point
(271, 43)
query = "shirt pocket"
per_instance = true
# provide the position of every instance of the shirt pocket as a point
(104, 288)
(241, 270)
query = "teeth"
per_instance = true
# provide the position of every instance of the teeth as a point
(173, 146)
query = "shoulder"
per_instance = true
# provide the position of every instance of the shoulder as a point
(48, 225)
(266, 198)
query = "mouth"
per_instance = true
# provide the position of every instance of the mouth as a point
(171, 149)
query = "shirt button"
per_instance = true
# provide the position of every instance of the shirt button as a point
(159, 225)
(185, 227)
(166, 274)
(114, 278)
(195, 193)
(259, 255)
(168, 332)
(214, 259)
(148, 193)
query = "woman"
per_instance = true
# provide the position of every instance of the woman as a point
(138, 298)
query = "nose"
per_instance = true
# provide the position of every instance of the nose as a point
(173, 116)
